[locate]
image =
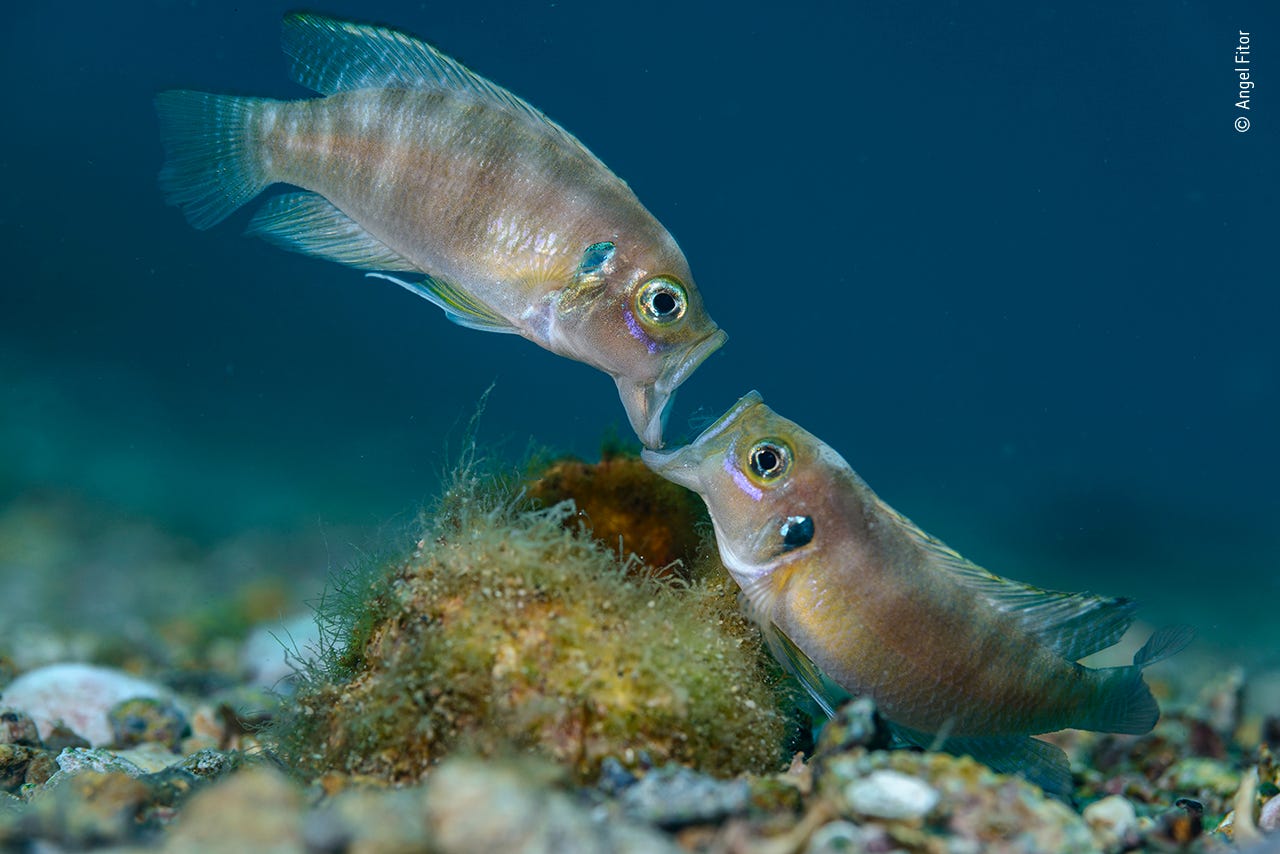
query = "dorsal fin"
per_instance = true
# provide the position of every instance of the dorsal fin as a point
(331, 56)
(1071, 624)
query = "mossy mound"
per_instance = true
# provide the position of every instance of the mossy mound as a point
(508, 629)
(630, 507)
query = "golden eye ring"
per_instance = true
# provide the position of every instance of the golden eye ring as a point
(661, 301)
(769, 460)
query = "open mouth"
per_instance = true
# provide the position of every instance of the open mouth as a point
(648, 405)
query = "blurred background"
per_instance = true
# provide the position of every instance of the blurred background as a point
(1018, 268)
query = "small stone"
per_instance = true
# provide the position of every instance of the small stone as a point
(1196, 774)
(80, 695)
(1113, 823)
(855, 724)
(91, 808)
(18, 728)
(1269, 818)
(274, 654)
(14, 761)
(210, 764)
(267, 809)
(61, 737)
(675, 796)
(840, 837)
(141, 720)
(485, 806)
(78, 760)
(892, 795)
(614, 777)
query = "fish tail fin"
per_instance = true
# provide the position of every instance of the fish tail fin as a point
(213, 162)
(1126, 704)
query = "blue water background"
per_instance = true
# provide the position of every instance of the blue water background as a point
(1012, 261)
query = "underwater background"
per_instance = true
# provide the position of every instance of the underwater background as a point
(1018, 267)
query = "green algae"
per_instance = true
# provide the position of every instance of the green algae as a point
(509, 628)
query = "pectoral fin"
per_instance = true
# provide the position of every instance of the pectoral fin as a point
(827, 694)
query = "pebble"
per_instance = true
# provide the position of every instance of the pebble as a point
(266, 806)
(21, 765)
(892, 795)
(80, 695)
(483, 806)
(78, 760)
(1269, 818)
(141, 720)
(675, 796)
(1113, 823)
(844, 837)
(273, 654)
(18, 728)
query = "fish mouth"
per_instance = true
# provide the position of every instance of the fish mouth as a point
(648, 404)
(682, 465)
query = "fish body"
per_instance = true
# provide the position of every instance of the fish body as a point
(413, 164)
(949, 652)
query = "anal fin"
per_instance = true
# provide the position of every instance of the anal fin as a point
(1036, 761)
(311, 224)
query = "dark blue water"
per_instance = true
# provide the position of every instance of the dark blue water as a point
(1016, 265)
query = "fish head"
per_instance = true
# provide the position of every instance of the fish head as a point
(637, 314)
(766, 483)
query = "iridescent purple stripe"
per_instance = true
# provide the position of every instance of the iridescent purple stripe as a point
(753, 492)
(636, 332)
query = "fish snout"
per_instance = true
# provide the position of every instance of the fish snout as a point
(679, 466)
(648, 403)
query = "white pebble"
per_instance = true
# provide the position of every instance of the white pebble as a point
(273, 653)
(80, 695)
(1112, 821)
(892, 795)
(1269, 818)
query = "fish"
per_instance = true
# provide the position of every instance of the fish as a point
(856, 600)
(409, 163)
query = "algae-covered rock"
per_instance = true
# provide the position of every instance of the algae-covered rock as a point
(509, 629)
(629, 507)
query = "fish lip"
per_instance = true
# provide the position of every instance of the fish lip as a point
(648, 405)
(681, 465)
(748, 400)
(676, 373)
(674, 465)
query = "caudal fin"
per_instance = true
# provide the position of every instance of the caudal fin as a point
(212, 163)
(1125, 704)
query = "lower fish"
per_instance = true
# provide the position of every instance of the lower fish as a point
(413, 164)
(855, 598)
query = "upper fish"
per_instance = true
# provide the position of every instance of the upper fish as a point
(855, 598)
(413, 164)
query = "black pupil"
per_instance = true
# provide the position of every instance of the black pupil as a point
(766, 461)
(663, 303)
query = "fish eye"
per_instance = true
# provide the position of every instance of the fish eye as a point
(662, 300)
(769, 460)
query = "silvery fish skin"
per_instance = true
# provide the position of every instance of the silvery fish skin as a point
(948, 651)
(414, 164)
